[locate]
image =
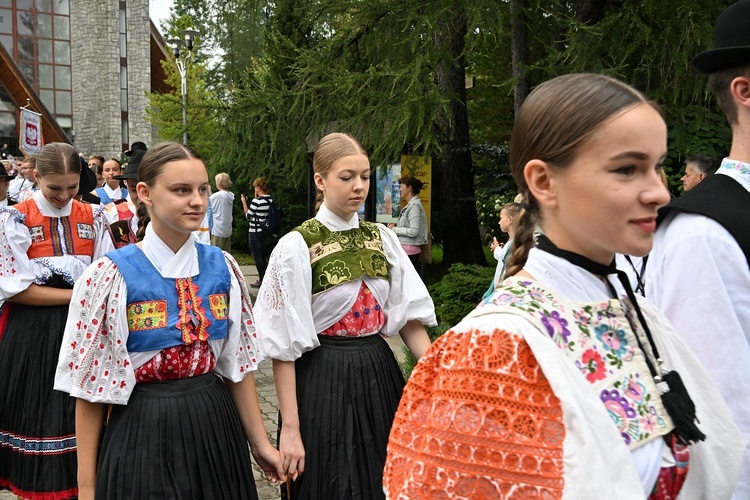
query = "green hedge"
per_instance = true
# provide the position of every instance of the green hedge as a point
(454, 296)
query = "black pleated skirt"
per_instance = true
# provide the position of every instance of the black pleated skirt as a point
(177, 439)
(348, 390)
(37, 423)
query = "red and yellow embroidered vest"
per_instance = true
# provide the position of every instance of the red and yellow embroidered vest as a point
(57, 236)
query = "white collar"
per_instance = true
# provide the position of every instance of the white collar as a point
(572, 281)
(112, 192)
(48, 209)
(333, 221)
(182, 264)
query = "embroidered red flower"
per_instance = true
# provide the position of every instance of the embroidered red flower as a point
(593, 366)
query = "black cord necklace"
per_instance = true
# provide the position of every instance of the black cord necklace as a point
(676, 399)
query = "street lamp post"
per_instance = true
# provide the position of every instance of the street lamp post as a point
(182, 60)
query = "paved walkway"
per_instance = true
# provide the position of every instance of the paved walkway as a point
(269, 405)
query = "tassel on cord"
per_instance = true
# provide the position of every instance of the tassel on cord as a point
(674, 394)
(681, 409)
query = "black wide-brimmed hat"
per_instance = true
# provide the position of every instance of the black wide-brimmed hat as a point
(136, 146)
(731, 40)
(4, 174)
(131, 169)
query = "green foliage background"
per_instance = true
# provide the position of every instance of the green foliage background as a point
(292, 70)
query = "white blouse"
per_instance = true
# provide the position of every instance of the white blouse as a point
(94, 362)
(714, 464)
(289, 318)
(18, 271)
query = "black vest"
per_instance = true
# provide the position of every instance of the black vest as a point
(723, 199)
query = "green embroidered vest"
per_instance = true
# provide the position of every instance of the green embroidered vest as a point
(338, 257)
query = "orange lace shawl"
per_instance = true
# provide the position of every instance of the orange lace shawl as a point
(478, 419)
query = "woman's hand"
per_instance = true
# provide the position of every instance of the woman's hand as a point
(391, 225)
(292, 451)
(270, 461)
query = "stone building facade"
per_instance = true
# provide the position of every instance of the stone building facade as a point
(110, 51)
(91, 62)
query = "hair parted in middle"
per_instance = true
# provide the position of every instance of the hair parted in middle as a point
(152, 166)
(553, 123)
(58, 158)
(329, 150)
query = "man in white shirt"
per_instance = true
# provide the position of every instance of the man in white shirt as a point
(698, 272)
(24, 180)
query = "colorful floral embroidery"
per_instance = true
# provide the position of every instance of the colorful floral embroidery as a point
(600, 341)
(147, 315)
(740, 167)
(219, 303)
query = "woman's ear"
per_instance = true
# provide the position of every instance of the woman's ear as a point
(539, 177)
(319, 182)
(144, 194)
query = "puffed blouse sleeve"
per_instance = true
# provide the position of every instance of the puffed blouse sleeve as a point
(240, 352)
(283, 311)
(103, 242)
(15, 270)
(408, 298)
(94, 363)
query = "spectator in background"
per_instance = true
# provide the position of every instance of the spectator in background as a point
(221, 206)
(111, 190)
(29, 188)
(4, 152)
(411, 228)
(4, 181)
(697, 168)
(509, 215)
(23, 180)
(96, 162)
(256, 214)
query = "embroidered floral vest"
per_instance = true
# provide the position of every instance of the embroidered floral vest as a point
(598, 339)
(338, 257)
(74, 236)
(166, 312)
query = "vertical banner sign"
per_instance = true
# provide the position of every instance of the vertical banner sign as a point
(421, 168)
(30, 135)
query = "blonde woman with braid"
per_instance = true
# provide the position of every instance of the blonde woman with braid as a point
(161, 333)
(335, 286)
(563, 383)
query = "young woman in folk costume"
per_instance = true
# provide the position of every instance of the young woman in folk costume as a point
(334, 287)
(150, 328)
(123, 222)
(563, 383)
(46, 242)
(111, 190)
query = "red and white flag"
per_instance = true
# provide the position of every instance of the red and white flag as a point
(30, 134)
